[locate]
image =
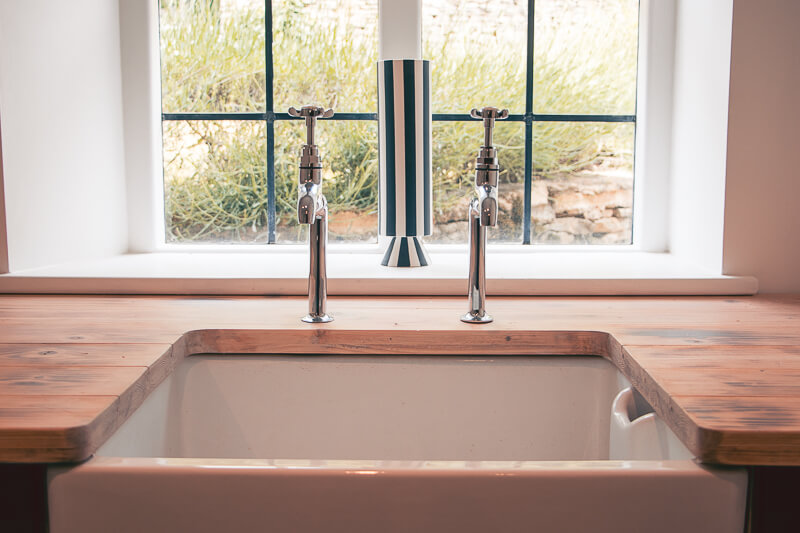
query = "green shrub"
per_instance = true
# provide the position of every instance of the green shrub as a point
(211, 62)
(224, 193)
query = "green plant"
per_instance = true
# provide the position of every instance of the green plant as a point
(210, 60)
(224, 192)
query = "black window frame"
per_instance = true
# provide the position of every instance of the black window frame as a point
(269, 116)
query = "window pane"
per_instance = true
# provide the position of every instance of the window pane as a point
(325, 54)
(215, 183)
(585, 56)
(583, 183)
(455, 147)
(477, 53)
(349, 151)
(212, 55)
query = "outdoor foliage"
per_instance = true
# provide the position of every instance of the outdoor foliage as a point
(215, 172)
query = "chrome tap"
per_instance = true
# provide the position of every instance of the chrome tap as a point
(482, 214)
(312, 209)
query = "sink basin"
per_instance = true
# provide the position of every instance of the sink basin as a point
(394, 443)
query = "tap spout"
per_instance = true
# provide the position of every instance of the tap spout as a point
(309, 201)
(487, 205)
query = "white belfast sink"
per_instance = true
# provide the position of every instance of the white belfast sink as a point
(394, 443)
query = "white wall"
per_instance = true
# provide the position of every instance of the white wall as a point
(61, 111)
(141, 91)
(3, 233)
(699, 127)
(762, 199)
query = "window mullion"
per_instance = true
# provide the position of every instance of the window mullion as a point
(527, 201)
(272, 219)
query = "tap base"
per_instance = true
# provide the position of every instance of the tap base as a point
(317, 319)
(472, 318)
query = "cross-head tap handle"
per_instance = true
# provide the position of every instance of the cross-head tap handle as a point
(489, 115)
(311, 113)
(310, 162)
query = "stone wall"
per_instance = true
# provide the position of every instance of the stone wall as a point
(584, 209)
(593, 207)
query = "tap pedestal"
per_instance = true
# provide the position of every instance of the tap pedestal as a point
(477, 269)
(317, 275)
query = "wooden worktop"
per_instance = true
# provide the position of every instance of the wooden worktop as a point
(724, 373)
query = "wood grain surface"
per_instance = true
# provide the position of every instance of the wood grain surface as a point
(723, 372)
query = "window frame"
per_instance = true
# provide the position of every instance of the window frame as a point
(387, 10)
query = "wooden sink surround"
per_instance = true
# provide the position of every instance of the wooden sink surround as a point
(723, 372)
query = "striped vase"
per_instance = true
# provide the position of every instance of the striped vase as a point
(404, 143)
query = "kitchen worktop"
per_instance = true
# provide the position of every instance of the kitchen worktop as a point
(723, 372)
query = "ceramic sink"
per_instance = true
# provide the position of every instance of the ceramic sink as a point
(394, 443)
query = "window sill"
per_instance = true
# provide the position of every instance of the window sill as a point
(253, 272)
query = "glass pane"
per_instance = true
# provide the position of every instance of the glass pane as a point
(582, 183)
(349, 151)
(212, 55)
(475, 63)
(585, 56)
(455, 146)
(325, 54)
(215, 182)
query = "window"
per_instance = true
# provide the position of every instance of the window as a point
(566, 70)
(230, 164)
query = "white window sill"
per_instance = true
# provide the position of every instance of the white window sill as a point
(283, 271)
